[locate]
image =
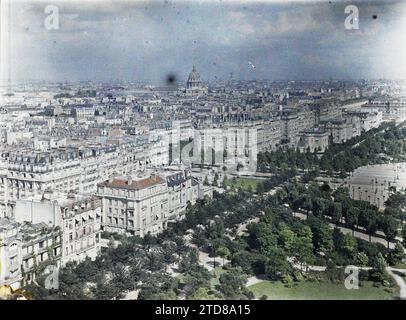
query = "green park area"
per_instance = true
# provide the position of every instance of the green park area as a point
(248, 184)
(321, 291)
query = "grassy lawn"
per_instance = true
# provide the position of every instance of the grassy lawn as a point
(400, 266)
(320, 291)
(244, 183)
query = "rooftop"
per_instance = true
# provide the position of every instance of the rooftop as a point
(132, 183)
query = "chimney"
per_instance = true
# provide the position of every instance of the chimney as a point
(130, 181)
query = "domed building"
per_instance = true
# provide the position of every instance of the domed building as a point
(193, 81)
(194, 84)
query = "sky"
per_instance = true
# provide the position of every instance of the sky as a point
(147, 40)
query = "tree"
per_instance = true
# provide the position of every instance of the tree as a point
(232, 283)
(307, 203)
(320, 206)
(242, 259)
(368, 219)
(394, 212)
(223, 252)
(168, 251)
(225, 181)
(397, 254)
(120, 278)
(164, 295)
(286, 237)
(303, 247)
(322, 235)
(195, 278)
(404, 234)
(389, 227)
(215, 229)
(397, 200)
(204, 294)
(277, 263)
(361, 259)
(336, 212)
(214, 245)
(260, 189)
(261, 237)
(351, 218)
(350, 244)
(216, 178)
(156, 259)
(378, 271)
(106, 291)
(158, 286)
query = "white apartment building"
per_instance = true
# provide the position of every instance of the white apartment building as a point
(183, 128)
(392, 109)
(24, 248)
(27, 173)
(342, 129)
(77, 216)
(141, 205)
(289, 120)
(269, 135)
(232, 145)
(48, 143)
(368, 120)
(314, 140)
(10, 254)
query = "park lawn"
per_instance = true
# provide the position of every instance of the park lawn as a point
(400, 266)
(243, 183)
(320, 291)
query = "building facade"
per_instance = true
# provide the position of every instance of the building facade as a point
(146, 204)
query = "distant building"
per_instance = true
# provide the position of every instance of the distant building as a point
(194, 84)
(233, 145)
(342, 129)
(368, 120)
(314, 140)
(376, 183)
(193, 81)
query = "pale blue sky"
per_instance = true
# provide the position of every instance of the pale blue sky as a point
(135, 40)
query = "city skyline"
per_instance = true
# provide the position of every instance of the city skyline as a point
(212, 150)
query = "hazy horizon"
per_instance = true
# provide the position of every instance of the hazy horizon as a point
(110, 41)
